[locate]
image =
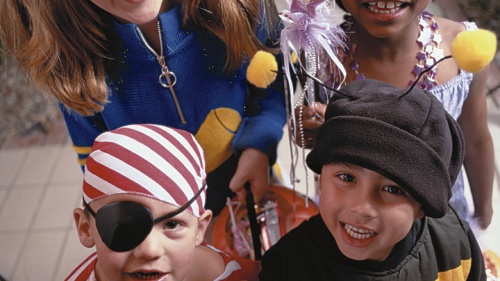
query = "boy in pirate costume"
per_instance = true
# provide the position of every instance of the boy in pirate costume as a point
(143, 193)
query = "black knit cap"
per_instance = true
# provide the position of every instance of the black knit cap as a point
(409, 139)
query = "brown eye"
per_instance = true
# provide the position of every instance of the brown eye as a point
(394, 189)
(171, 225)
(347, 177)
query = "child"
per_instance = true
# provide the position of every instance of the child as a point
(143, 194)
(178, 63)
(387, 162)
(392, 42)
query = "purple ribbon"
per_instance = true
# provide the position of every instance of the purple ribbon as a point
(308, 31)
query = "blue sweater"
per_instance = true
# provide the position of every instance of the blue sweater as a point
(218, 107)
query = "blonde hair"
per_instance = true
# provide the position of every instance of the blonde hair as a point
(66, 46)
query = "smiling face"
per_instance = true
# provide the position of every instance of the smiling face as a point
(166, 254)
(132, 11)
(383, 19)
(366, 212)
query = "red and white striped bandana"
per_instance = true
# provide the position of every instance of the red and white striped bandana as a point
(148, 160)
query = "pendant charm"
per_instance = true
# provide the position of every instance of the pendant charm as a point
(167, 78)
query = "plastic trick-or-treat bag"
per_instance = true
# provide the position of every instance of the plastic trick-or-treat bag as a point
(246, 230)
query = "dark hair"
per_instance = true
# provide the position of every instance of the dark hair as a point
(339, 3)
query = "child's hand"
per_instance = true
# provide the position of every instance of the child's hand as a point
(483, 215)
(311, 120)
(253, 167)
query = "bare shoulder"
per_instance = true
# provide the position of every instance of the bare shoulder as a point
(207, 264)
(449, 28)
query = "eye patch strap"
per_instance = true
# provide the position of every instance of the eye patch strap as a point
(87, 206)
(181, 209)
(162, 218)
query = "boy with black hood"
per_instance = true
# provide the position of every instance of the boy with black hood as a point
(387, 159)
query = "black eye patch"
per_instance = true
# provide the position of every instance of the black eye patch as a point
(124, 225)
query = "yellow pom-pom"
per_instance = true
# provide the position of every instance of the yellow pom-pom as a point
(262, 69)
(294, 58)
(473, 50)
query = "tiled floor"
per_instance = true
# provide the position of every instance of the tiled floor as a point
(40, 185)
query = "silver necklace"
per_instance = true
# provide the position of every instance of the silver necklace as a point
(167, 78)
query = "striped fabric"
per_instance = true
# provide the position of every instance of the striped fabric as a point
(232, 271)
(84, 271)
(150, 160)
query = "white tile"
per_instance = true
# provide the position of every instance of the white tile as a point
(495, 134)
(488, 239)
(302, 173)
(39, 165)
(67, 168)
(56, 210)
(39, 258)
(20, 208)
(10, 247)
(10, 163)
(74, 253)
(2, 197)
(281, 5)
